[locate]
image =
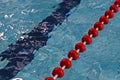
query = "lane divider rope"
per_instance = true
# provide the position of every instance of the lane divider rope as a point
(66, 63)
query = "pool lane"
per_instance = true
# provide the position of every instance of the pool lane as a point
(21, 53)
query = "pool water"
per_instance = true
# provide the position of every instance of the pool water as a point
(101, 61)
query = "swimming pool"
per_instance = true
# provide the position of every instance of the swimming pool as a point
(101, 61)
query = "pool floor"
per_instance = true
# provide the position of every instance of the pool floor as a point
(101, 61)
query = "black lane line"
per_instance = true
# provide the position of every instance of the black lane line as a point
(20, 54)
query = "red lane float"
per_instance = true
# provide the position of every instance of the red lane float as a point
(66, 63)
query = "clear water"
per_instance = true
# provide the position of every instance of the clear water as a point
(101, 61)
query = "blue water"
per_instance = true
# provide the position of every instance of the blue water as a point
(101, 61)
